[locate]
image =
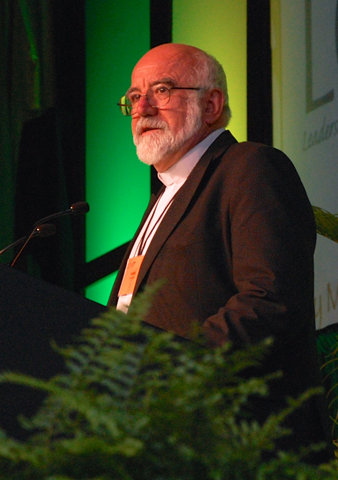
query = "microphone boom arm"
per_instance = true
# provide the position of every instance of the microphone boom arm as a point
(42, 230)
(77, 208)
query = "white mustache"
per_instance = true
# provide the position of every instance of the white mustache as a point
(150, 123)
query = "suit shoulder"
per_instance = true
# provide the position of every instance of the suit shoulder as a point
(254, 149)
(255, 157)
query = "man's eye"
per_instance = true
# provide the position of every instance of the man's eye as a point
(134, 97)
(161, 90)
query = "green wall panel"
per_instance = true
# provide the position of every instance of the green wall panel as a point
(219, 27)
(100, 290)
(117, 184)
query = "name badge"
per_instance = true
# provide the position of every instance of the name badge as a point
(130, 275)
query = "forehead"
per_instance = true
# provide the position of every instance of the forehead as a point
(154, 68)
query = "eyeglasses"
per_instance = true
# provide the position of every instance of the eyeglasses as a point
(157, 97)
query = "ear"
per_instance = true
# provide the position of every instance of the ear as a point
(214, 106)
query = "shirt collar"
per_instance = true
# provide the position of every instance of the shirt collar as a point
(180, 171)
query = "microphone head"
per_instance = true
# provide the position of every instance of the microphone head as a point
(45, 230)
(79, 208)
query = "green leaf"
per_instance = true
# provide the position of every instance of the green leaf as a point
(326, 223)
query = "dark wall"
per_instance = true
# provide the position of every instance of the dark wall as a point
(51, 158)
(51, 153)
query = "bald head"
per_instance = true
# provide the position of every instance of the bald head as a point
(179, 96)
(193, 66)
(169, 53)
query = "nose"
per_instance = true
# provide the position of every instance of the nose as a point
(143, 108)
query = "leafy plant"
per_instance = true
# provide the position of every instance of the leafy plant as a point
(140, 404)
(326, 223)
(327, 226)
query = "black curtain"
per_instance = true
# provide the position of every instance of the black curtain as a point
(259, 99)
(51, 157)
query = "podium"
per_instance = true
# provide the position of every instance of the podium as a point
(32, 314)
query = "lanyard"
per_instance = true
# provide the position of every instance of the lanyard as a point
(148, 232)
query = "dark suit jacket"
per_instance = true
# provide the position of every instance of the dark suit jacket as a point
(236, 251)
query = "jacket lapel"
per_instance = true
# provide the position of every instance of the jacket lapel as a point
(117, 283)
(181, 202)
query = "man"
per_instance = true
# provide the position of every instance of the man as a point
(231, 232)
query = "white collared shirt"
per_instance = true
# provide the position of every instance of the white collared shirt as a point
(173, 179)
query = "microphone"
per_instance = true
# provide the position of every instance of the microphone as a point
(44, 230)
(78, 208)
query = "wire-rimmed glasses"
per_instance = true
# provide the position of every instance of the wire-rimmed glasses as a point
(157, 97)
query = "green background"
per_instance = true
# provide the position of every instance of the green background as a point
(117, 184)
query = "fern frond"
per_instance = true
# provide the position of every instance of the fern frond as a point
(137, 403)
(326, 223)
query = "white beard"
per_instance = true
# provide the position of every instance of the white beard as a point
(153, 147)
